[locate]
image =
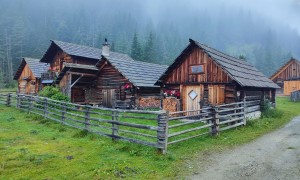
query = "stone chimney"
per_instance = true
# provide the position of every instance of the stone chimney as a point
(105, 48)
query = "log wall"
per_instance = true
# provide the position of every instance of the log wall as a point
(110, 78)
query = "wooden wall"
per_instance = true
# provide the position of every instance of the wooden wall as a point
(213, 86)
(290, 86)
(290, 71)
(111, 78)
(212, 72)
(61, 57)
(57, 64)
(27, 83)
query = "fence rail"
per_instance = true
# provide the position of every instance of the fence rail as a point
(151, 128)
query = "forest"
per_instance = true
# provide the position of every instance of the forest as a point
(150, 30)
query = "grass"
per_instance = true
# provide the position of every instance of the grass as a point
(35, 148)
(8, 90)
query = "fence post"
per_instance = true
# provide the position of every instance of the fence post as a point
(8, 100)
(215, 120)
(162, 132)
(29, 104)
(115, 127)
(87, 117)
(45, 107)
(63, 112)
(245, 111)
(18, 101)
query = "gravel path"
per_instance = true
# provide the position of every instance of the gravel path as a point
(273, 156)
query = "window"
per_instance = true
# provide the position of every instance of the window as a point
(196, 69)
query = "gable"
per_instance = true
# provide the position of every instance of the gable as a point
(26, 74)
(183, 72)
(289, 71)
(110, 77)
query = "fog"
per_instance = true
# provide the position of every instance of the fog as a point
(266, 32)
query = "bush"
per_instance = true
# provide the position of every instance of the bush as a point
(269, 112)
(53, 93)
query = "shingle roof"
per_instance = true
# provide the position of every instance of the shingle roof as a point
(240, 71)
(79, 51)
(35, 66)
(141, 74)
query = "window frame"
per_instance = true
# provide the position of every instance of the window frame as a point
(194, 73)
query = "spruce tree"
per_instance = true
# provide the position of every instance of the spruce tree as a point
(149, 51)
(136, 50)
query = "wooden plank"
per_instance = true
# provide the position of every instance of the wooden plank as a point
(191, 122)
(230, 127)
(189, 130)
(187, 138)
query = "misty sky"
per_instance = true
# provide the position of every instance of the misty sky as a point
(285, 12)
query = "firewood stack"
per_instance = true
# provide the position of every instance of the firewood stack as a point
(150, 102)
(170, 104)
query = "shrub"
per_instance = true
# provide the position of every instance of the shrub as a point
(53, 93)
(269, 112)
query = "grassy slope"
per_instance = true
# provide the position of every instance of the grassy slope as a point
(31, 147)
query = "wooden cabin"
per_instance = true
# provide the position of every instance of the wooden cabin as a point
(287, 77)
(202, 76)
(29, 74)
(101, 77)
(128, 83)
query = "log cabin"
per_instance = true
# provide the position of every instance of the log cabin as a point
(102, 77)
(287, 77)
(29, 74)
(202, 76)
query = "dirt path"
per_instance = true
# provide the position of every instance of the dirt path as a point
(273, 156)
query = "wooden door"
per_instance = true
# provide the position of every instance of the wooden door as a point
(32, 88)
(216, 94)
(108, 97)
(192, 95)
(22, 87)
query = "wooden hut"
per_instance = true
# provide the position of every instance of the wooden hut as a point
(102, 77)
(287, 77)
(29, 74)
(128, 83)
(202, 76)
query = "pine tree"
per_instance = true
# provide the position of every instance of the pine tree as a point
(149, 51)
(136, 50)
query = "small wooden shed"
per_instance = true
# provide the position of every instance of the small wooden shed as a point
(287, 77)
(29, 74)
(128, 83)
(202, 76)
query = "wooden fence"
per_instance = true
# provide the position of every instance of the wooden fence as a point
(295, 96)
(151, 128)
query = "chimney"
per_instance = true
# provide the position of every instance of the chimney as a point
(105, 48)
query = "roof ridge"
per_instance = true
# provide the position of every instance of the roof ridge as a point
(85, 46)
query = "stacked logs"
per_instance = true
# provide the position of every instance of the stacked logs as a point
(171, 104)
(149, 102)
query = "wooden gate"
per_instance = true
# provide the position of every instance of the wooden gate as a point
(108, 97)
(192, 95)
(216, 94)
